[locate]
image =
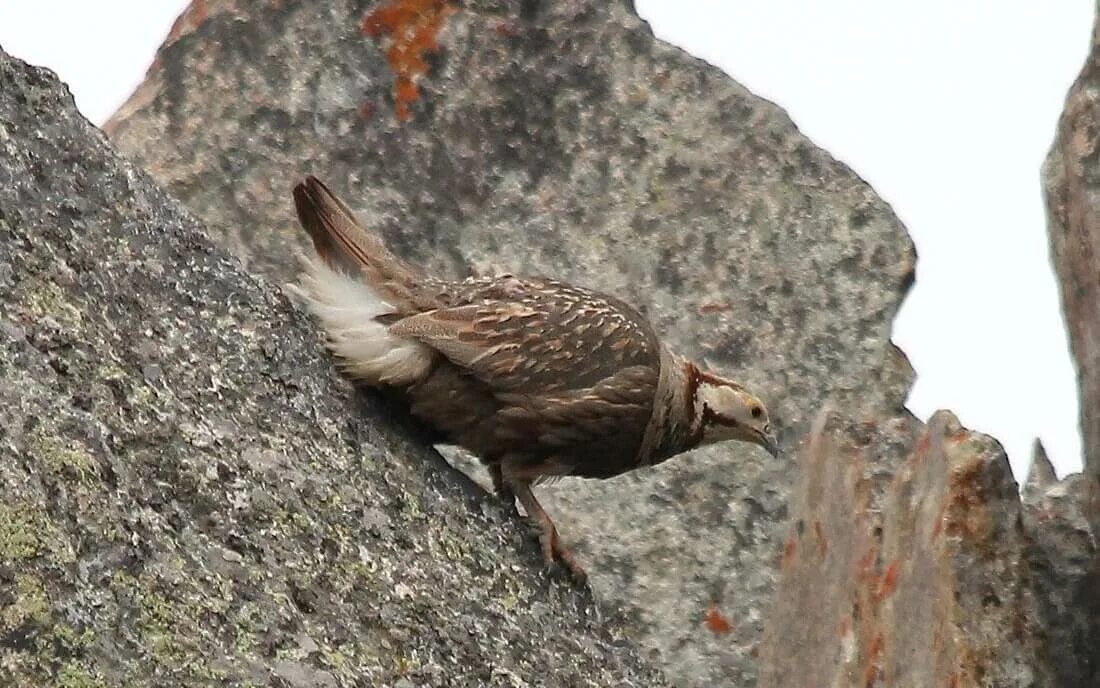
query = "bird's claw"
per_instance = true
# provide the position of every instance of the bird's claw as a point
(555, 553)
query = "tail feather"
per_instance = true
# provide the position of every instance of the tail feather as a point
(345, 245)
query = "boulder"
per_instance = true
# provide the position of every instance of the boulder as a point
(190, 495)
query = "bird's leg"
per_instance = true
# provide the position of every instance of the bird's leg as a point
(502, 490)
(552, 547)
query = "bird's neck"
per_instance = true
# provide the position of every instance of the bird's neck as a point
(675, 425)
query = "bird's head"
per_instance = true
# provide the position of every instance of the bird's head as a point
(724, 410)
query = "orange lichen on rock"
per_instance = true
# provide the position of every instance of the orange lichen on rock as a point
(717, 623)
(410, 28)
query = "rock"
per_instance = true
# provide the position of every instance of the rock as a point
(1071, 180)
(931, 572)
(1041, 475)
(560, 138)
(1063, 560)
(205, 525)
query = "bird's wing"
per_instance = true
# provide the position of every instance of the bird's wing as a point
(574, 374)
(538, 337)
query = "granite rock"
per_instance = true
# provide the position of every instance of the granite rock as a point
(189, 494)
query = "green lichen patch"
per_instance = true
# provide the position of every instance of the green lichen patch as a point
(77, 675)
(61, 457)
(18, 537)
(47, 300)
(29, 603)
(26, 533)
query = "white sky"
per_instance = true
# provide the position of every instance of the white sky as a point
(947, 108)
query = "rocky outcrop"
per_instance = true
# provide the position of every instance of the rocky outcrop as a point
(189, 496)
(912, 562)
(561, 138)
(1071, 179)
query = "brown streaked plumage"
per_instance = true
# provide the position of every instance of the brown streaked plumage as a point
(538, 378)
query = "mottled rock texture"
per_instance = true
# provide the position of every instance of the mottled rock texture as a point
(912, 562)
(560, 138)
(1071, 178)
(190, 496)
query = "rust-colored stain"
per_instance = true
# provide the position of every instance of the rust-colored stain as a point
(195, 14)
(410, 28)
(865, 566)
(889, 581)
(715, 307)
(366, 109)
(716, 622)
(789, 549)
(870, 675)
(870, 655)
(966, 501)
(921, 448)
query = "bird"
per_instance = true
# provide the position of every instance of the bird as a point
(538, 378)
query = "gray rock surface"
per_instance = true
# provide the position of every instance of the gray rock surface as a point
(1062, 554)
(190, 496)
(1071, 180)
(911, 562)
(1040, 474)
(560, 138)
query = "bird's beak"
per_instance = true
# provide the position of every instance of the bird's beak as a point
(770, 444)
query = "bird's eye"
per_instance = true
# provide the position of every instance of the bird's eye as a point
(756, 411)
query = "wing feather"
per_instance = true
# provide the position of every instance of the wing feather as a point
(533, 342)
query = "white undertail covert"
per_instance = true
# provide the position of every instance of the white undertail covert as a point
(348, 308)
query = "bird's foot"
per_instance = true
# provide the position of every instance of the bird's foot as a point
(554, 551)
(503, 492)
